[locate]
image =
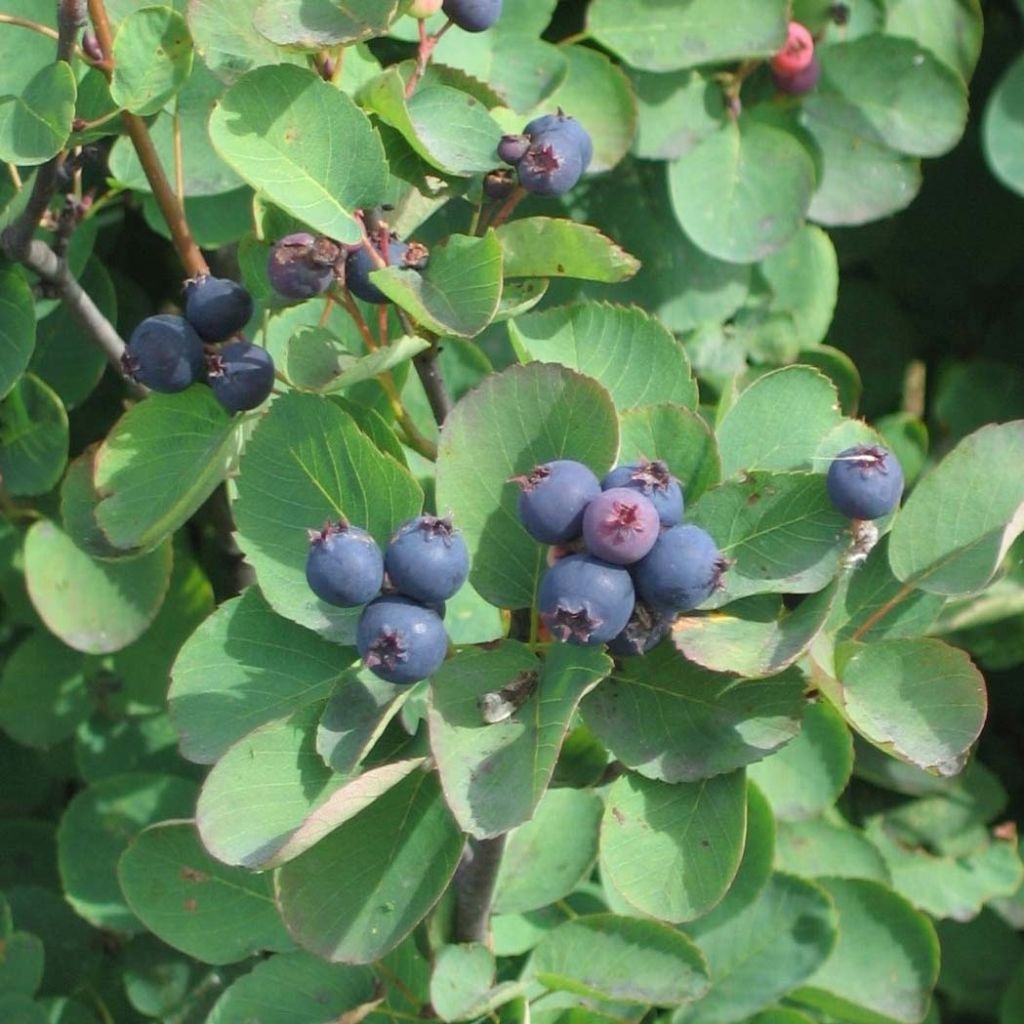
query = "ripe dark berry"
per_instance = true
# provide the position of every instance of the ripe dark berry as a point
(800, 82)
(551, 166)
(401, 640)
(473, 15)
(865, 482)
(427, 559)
(583, 600)
(344, 566)
(553, 499)
(512, 148)
(241, 375)
(644, 631)
(300, 266)
(682, 570)
(797, 52)
(216, 307)
(360, 265)
(498, 184)
(620, 526)
(653, 480)
(560, 123)
(164, 353)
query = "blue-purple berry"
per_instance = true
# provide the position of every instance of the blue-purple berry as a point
(620, 526)
(241, 376)
(653, 480)
(360, 264)
(553, 499)
(512, 148)
(584, 600)
(301, 265)
(427, 559)
(344, 566)
(561, 123)
(552, 165)
(644, 631)
(401, 640)
(681, 571)
(473, 15)
(216, 307)
(165, 354)
(865, 482)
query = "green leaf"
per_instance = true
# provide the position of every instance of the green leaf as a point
(885, 963)
(43, 691)
(17, 325)
(450, 129)
(626, 959)
(944, 540)
(807, 775)
(323, 367)
(18, 1008)
(190, 901)
(123, 597)
(243, 667)
(979, 961)
(319, 24)
(227, 40)
(549, 855)
(25, 51)
(512, 422)
(780, 530)
(348, 898)
(819, 848)
(78, 501)
(152, 58)
(1011, 1007)
(909, 100)
(21, 957)
(860, 179)
(33, 438)
(951, 29)
(494, 774)
(36, 125)
(919, 700)
(597, 339)
(546, 247)
(303, 144)
(458, 293)
(762, 953)
(672, 851)
(841, 370)
(678, 436)
(778, 422)
(97, 827)
(675, 112)
(462, 983)
(308, 462)
(146, 743)
(313, 992)
(742, 193)
(669, 719)
(159, 463)
(1002, 128)
(757, 637)
(655, 36)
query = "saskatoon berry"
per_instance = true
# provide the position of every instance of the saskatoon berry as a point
(644, 631)
(401, 640)
(300, 266)
(800, 82)
(216, 307)
(681, 571)
(165, 353)
(797, 52)
(865, 482)
(498, 184)
(562, 124)
(427, 559)
(583, 600)
(652, 479)
(241, 375)
(620, 526)
(512, 148)
(360, 265)
(553, 499)
(473, 15)
(551, 166)
(344, 566)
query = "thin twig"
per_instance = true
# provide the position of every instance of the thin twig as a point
(423, 54)
(475, 880)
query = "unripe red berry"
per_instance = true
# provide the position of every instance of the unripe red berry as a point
(797, 53)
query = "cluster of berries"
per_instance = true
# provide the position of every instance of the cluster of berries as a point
(167, 353)
(640, 564)
(302, 265)
(796, 68)
(550, 155)
(400, 634)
